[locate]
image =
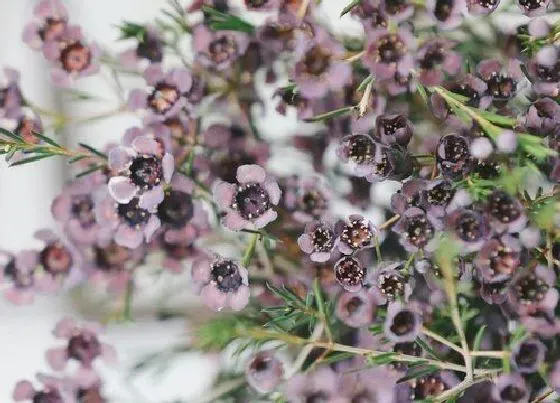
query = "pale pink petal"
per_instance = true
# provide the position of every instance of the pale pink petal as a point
(305, 243)
(234, 221)
(128, 237)
(223, 194)
(137, 99)
(182, 183)
(145, 145)
(130, 134)
(61, 78)
(27, 259)
(181, 78)
(109, 354)
(250, 173)
(168, 164)
(45, 235)
(320, 257)
(151, 198)
(213, 298)
(60, 208)
(57, 358)
(64, 328)
(119, 158)
(129, 58)
(153, 74)
(23, 391)
(240, 299)
(273, 191)
(51, 51)
(121, 189)
(85, 378)
(152, 226)
(19, 297)
(267, 217)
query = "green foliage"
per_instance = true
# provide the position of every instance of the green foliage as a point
(219, 21)
(219, 332)
(349, 7)
(131, 30)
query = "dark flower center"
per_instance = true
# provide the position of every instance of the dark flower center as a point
(278, 31)
(83, 210)
(225, 275)
(52, 28)
(395, 6)
(111, 257)
(150, 48)
(132, 214)
(503, 207)
(21, 278)
(443, 9)
(419, 231)
(512, 393)
(223, 49)
(163, 97)
(531, 289)
(84, 347)
(75, 57)
(527, 355)
(56, 258)
(91, 395)
(48, 396)
(489, 4)
(503, 260)
(501, 87)
(433, 57)
(391, 125)
(390, 49)
(403, 323)
(317, 60)
(391, 285)
(317, 397)
(549, 74)
(487, 169)
(357, 234)
(531, 5)
(251, 200)
(455, 149)
(470, 227)
(176, 209)
(408, 348)
(427, 386)
(353, 305)
(313, 201)
(348, 271)
(255, 3)
(466, 90)
(361, 149)
(323, 239)
(440, 194)
(146, 171)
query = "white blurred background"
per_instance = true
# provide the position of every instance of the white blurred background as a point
(27, 191)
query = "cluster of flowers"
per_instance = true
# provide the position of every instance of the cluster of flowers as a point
(468, 244)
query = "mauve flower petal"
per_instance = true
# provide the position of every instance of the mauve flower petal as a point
(507, 141)
(223, 194)
(217, 135)
(267, 217)
(182, 78)
(240, 299)
(213, 298)
(85, 378)
(81, 235)
(152, 226)
(146, 145)
(121, 189)
(18, 296)
(305, 243)
(50, 8)
(129, 58)
(234, 221)
(27, 259)
(109, 354)
(481, 148)
(60, 208)
(128, 237)
(151, 198)
(153, 74)
(538, 27)
(64, 328)
(45, 235)
(311, 88)
(320, 257)
(250, 173)
(23, 391)
(60, 78)
(137, 99)
(182, 183)
(119, 158)
(273, 190)
(51, 51)
(201, 269)
(57, 358)
(168, 164)
(30, 36)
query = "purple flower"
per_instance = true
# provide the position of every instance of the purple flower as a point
(446, 13)
(417, 230)
(402, 323)
(533, 7)
(49, 24)
(57, 390)
(360, 151)
(453, 156)
(248, 204)
(284, 33)
(506, 212)
(218, 49)
(528, 355)
(469, 227)
(320, 68)
(482, 7)
(20, 271)
(435, 59)
(355, 234)
(510, 388)
(432, 385)
(262, 5)
(388, 53)
(543, 117)
(397, 10)
(83, 345)
(150, 48)
(222, 282)
(11, 98)
(356, 309)
(544, 70)
(142, 172)
(408, 195)
(370, 385)
(498, 258)
(469, 86)
(532, 291)
(72, 58)
(350, 273)
(307, 198)
(322, 383)
(264, 371)
(166, 96)
(129, 223)
(74, 209)
(318, 240)
(436, 196)
(394, 129)
(388, 283)
(501, 81)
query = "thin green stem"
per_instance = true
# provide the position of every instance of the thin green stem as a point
(250, 250)
(128, 297)
(442, 340)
